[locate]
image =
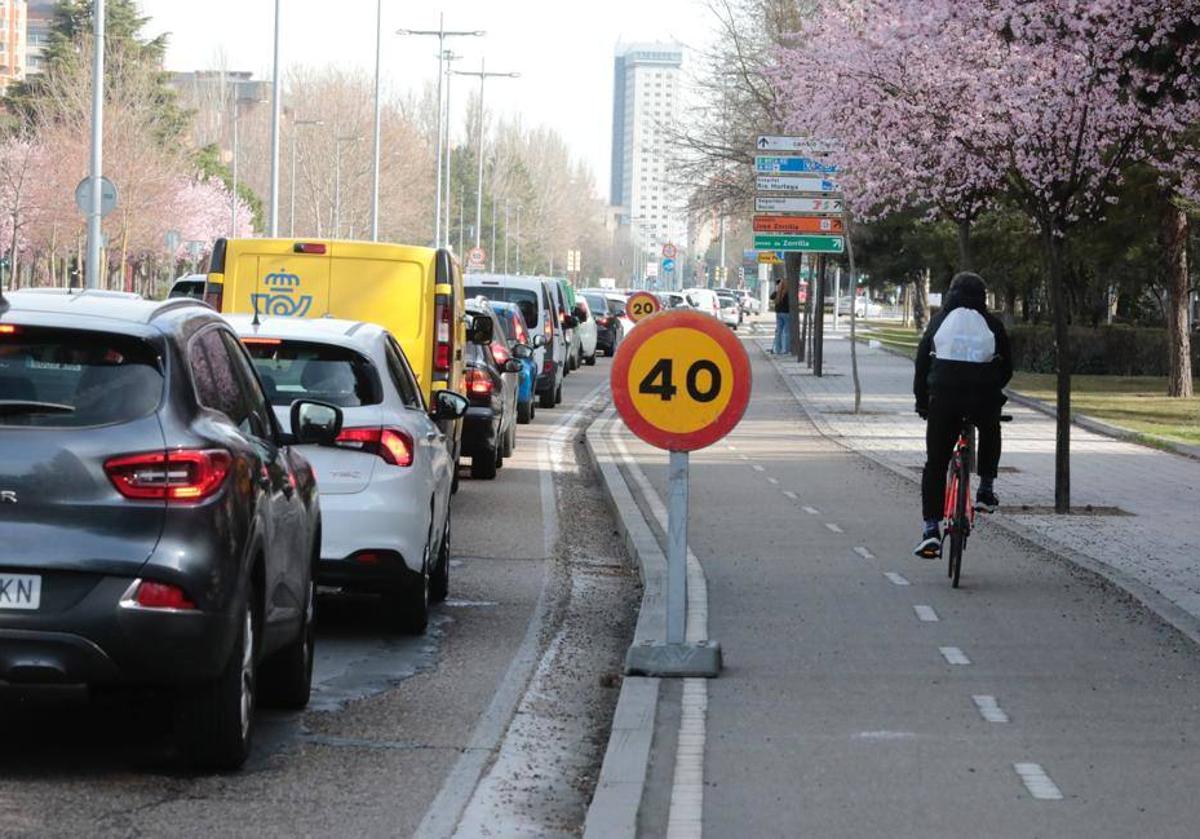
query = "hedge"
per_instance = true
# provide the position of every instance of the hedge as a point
(1104, 350)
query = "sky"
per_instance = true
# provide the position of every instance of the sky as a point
(563, 49)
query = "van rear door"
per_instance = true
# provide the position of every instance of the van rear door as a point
(389, 292)
(293, 285)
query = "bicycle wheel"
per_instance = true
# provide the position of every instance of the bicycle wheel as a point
(958, 536)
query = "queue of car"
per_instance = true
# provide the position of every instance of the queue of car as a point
(179, 476)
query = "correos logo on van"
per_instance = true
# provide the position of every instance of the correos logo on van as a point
(282, 300)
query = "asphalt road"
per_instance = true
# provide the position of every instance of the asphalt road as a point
(863, 696)
(400, 731)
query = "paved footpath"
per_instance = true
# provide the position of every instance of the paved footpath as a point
(862, 696)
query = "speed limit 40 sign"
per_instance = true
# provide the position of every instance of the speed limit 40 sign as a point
(681, 380)
(641, 305)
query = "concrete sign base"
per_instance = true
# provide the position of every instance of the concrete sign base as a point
(655, 658)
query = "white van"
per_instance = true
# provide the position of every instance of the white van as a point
(532, 296)
(704, 300)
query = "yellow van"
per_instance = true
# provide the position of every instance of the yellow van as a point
(416, 293)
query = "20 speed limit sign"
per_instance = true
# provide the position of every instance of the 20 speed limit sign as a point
(642, 304)
(681, 380)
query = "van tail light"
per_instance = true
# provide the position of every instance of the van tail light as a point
(391, 444)
(186, 475)
(500, 352)
(309, 247)
(479, 383)
(151, 595)
(442, 339)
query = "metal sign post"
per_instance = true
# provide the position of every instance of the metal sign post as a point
(677, 528)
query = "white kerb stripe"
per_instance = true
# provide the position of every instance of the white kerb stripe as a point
(989, 708)
(898, 579)
(1038, 782)
(833, 527)
(926, 613)
(864, 553)
(954, 655)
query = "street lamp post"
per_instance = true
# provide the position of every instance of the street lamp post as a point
(483, 75)
(276, 105)
(337, 182)
(375, 153)
(296, 126)
(450, 58)
(441, 33)
(97, 162)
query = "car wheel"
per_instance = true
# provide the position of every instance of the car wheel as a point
(439, 580)
(590, 360)
(558, 395)
(214, 722)
(483, 465)
(510, 441)
(546, 398)
(286, 678)
(525, 412)
(407, 610)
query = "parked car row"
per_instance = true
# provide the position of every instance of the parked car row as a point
(177, 477)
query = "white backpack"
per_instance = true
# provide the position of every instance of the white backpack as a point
(964, 336)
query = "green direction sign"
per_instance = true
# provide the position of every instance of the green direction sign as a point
(805, 244)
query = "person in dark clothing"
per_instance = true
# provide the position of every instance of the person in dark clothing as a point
(783, 334)
(963, 363)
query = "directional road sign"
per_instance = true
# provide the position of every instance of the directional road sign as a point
(779, 204)
(108, 196)
(796, 183)
(798, 145)
(770, 257)
(792, 164)
(642, 304)
(797, 224)
(806, 244)
(669, 251)
(668, 265)
(681, 380)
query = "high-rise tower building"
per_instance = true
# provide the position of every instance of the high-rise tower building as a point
(647, 91)
(37, 34)
(12, 41)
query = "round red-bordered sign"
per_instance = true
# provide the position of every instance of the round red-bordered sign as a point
(681, 380)
(641, 305)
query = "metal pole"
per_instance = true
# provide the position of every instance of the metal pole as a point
(375, 162)
(493, 262)
(448, 123)
(722, 278)
(462, 221)
(505, 235)
(337, 187)
(276, 106)
(518, 234)
(837, 290)
(97, 164)
(292, 182)
(479, 195)
(233, 195)
(677, 527)
(437, 204)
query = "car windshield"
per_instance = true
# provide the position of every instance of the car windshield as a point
(292, 370)
(525, 299)
(596, 303)
(74, 379)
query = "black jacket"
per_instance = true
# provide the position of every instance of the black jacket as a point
(934, 375)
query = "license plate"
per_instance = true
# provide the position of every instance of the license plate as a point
(20, 591)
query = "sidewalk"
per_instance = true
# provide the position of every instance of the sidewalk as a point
(1150, 547)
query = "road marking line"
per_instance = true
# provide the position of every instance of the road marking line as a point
(885, 735)
(926, 613)
(954, 655)
(812, 511)
(773, 481)
(731, 447)
(791, 495)
(1038, 782)
(743, 457)
(989, 708)
(833, 527)
(898, 579)
(864, 553)
(758, 468)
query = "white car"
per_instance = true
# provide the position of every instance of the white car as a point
(750, 303)
(731, 308)
(622, 301)
(385, 486)
(586, 329)
(704, 300)
(674, 300)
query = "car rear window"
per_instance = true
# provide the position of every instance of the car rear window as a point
(292, 370)
(597, 303)
(526, 300)
(71, 378)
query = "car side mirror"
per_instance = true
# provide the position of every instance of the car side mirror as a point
(539, 341)
(513, 366)
(621, 314)
(580, 314)
(448, 405)
(570, 322)
(481, 331)
(315, 423)
(522, 351)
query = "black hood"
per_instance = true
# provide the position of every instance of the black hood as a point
(967, 291)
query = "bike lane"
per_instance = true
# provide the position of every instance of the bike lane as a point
(863, 696)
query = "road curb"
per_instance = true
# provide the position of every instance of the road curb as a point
(613, 812)
(1185, 621)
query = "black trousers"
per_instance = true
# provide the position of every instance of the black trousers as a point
(946, 413)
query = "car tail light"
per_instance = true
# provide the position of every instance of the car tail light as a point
(8, 329)
(479, 383)
(391, 444)
(500, 352)
(548, 364)
(442, 323)
(309, 247)
(602, 321)
(185, 475)
(151, 595)
(253, 341)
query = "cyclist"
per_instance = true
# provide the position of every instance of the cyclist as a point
(963, 364)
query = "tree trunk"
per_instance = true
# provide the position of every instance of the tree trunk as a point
(964, 245)
(791, 264)
(853, 321)
(1179, 346)
(1062, 443)
(921, 301)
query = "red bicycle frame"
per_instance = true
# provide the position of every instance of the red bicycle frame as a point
(961, 448)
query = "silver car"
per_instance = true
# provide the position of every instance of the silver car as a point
(385, 486)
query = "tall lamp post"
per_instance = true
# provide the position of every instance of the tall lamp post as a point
(441, 33)
(97, 163)
(337, 181)
(450, 57)
(296, 126)
(375, 146)
(483, 75)
(276, 106)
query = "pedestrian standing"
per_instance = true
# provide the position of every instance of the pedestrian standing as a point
(783, 309)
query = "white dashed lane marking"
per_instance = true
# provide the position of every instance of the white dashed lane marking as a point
(812, 511)
(864, 553)
(773, 481)
(833, 528)
(791, 495)
(926, 613)
(898, 579)
(758, 468)
(1038, 782)
(989, 708)
(954, 655)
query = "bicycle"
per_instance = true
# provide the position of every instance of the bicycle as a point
(958, 511)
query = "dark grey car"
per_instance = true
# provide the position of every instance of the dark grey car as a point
(158, 528)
